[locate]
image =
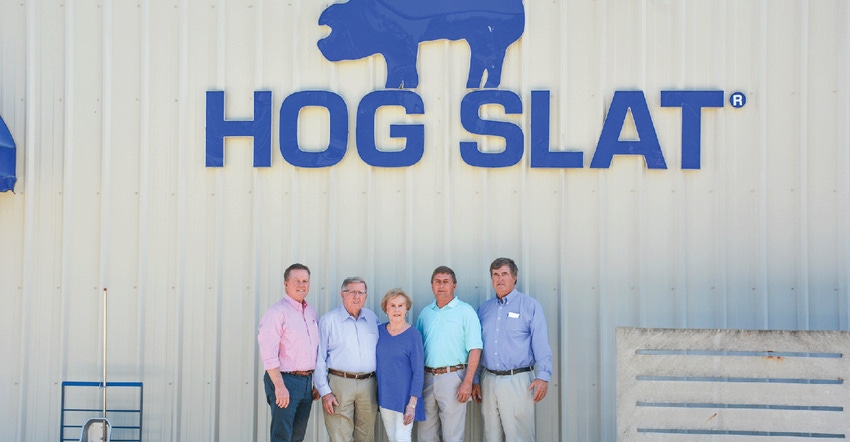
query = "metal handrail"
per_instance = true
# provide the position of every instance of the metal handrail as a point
(62, 420)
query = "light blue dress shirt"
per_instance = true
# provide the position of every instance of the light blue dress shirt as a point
(515, 334)
(345, 344)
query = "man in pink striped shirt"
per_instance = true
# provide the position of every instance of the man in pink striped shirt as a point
(289, 340)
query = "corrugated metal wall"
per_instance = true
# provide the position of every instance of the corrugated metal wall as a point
(106, 100)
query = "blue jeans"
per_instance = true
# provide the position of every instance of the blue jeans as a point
(290, 424)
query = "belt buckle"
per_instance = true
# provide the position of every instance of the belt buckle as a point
(453, 368)
(355, 376)
(347, 375)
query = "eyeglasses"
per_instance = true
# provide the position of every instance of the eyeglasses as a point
(354, 292)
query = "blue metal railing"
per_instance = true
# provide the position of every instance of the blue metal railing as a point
(77, 416)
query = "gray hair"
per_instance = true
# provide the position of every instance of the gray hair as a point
(353, 280)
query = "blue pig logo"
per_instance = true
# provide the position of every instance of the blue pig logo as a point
(394, 29)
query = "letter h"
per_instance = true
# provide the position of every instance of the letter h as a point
(260, 128)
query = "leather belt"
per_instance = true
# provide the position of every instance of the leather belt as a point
(444, 370)
(299, 373)
(510, 372)
(347, 375)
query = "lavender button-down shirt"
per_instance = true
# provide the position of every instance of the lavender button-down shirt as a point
(346, 343)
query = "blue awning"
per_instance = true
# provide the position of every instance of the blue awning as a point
(7, 159)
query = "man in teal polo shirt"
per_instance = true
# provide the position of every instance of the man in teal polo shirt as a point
(452, 334)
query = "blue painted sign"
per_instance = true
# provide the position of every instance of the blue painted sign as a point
(7, 159)
(394, 29)
(691, 104)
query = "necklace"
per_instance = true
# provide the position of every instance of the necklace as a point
(398, 330)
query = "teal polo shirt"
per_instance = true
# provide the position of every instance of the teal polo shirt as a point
(449, 333)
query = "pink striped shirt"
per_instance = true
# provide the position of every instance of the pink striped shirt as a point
(289, 336)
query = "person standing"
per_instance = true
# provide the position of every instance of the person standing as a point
(345, 366)
(288, 338)
(452, 336)
(515, 341)
(400, 371)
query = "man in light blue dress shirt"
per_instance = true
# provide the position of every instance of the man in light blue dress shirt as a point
(452, 336)
(515, 341)
(345, 366)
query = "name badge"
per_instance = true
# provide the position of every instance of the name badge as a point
(513, 315)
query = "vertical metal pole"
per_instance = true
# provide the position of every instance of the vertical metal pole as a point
(104, 352)
(105, 425)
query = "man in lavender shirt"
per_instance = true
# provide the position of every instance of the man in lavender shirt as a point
(345, 366)
(289, 338)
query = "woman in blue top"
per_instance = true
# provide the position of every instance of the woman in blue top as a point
(401, 368)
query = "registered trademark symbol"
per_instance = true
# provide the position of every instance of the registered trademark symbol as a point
(737, 99)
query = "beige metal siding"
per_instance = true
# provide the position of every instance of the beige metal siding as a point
(106, 101)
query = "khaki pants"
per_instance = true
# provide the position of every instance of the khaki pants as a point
(507, 407)
(354, 418)
(445, 417)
